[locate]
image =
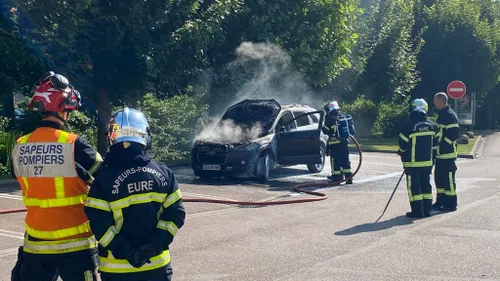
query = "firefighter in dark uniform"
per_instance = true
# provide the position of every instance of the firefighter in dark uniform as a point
(135, 205)
(446, 155)
(54, 169)
(416, 148)
(338, 127)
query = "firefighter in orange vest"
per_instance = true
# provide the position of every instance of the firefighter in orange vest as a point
(54, 169)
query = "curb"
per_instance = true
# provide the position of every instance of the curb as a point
(9, 181)
(471, 155)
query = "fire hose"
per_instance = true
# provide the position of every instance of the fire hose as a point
(298, 188)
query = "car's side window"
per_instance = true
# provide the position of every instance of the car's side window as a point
(315, 117)
(285, 118)
(302, 121)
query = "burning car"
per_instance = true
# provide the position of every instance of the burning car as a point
(255, 136)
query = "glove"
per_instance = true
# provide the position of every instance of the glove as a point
(139, 257)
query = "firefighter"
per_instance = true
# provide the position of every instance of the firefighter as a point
(54, 169)
(338, 127)
(446, 155)
(417, 140)
(135, 205)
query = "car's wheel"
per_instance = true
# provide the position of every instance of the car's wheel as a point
(317, 168)
(263, 167)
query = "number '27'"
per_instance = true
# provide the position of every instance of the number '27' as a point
(38, 170)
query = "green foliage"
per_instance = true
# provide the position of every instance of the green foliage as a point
(361, 108)
(461, 43)
(318, 35)
(7, 142)
(173, 123)
(390, 118)
(185, 51)
(84, 125)
(388, 51)
(364, 111)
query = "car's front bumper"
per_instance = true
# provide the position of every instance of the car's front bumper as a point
(224, 162)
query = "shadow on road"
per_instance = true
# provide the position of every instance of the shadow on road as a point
(370, 227)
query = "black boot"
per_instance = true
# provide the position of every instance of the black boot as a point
(427, 207)
(439, 202)
(417, 209)
(335, 178)
(347, 175)
(450, 205)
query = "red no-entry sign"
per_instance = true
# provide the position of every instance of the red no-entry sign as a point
(456, 89)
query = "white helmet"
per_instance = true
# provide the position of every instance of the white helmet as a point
(331, 106)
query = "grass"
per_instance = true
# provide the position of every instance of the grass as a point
(392, 145)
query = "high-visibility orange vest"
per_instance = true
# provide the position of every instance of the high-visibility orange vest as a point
(53, 193)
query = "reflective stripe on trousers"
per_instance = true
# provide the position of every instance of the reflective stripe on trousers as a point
(60, 246)
(112, 265)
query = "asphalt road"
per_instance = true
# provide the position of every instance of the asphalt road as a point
(334, 239)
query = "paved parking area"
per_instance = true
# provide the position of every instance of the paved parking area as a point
(333, 239)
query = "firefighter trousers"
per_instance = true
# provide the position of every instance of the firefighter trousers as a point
(76, 266)
(165, 275)
(339, 160)
(444, 178)
(418, 182)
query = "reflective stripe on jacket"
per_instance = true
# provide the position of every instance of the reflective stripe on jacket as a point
(416, 143)
(52, 191)
(448, 134)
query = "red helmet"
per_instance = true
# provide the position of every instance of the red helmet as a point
(53, 93)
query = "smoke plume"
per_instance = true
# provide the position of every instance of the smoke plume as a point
(264, 71)
(227, 131)
(261, 71)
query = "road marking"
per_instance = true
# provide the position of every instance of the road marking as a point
(384, 164)
(12, 234)
(18, 197)
(205, 196)
(8, 252)
(11, 196)
(373, 156)
(397, 236)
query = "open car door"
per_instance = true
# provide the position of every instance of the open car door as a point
(301, 146)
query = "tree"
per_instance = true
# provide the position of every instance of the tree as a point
(461, 43)
(389, 53)
(19, 67)
(110, 50)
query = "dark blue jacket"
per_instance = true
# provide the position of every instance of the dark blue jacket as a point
(134, 201)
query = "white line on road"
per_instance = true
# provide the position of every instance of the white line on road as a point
(8, 252)
(10, 196)
(12, 234)
(384, 164)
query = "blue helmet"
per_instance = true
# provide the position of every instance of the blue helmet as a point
(129, 125)
(419, 105)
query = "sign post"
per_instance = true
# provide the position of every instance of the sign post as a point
(464, 104)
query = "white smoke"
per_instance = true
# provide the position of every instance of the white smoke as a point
(268, 74)
(227, 131)
(261, 71)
